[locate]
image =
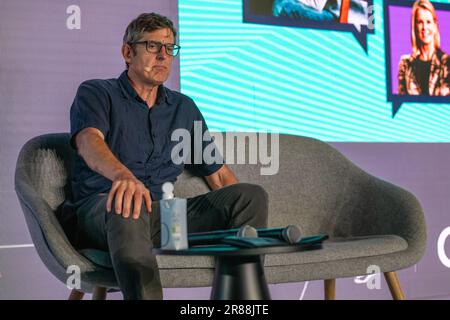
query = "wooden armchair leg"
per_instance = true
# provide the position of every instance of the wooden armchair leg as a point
(394, 285)
(99, 293)
(76, 295)
(330, 289)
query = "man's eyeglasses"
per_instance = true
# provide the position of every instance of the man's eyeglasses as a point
(155, 47)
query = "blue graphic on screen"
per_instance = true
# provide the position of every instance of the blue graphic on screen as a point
(300, 81)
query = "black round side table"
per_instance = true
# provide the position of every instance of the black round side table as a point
(239, 272)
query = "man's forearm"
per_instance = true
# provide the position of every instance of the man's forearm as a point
(221, 178)
(97, 155)
(227, 179)
(127, 193)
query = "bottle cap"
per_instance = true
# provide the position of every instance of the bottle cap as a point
(167, 189)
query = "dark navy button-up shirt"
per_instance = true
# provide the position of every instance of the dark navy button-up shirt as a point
(140, 137)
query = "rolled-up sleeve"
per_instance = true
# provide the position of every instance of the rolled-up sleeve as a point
(90, 109)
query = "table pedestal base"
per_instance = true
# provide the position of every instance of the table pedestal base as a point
(239, 278)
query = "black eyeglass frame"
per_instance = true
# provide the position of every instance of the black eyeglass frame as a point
(175, 48)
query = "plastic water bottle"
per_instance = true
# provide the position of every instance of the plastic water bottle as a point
(173, 220)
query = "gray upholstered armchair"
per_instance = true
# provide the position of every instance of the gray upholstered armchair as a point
(370, 221)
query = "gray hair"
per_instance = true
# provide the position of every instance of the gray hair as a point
(146, 22)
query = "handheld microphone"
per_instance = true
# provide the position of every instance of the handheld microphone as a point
(291, 234)
(215, 237)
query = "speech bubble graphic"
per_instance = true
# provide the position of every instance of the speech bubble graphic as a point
(397, 27)
(358, 19)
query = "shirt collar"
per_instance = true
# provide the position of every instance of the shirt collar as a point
(129, 92)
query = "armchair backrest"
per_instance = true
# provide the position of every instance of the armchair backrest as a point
(42, 184)
(315, 186)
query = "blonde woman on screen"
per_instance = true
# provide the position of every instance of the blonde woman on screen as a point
(426, 70)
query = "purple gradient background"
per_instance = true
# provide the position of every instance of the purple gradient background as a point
(400, 36)
(41, 66)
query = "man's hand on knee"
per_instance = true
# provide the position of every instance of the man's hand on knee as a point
(128, 194)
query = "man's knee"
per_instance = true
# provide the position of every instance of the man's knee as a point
(142, 211)
(254, 198)
(115, 220)
(253, 193)
(252, 204)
